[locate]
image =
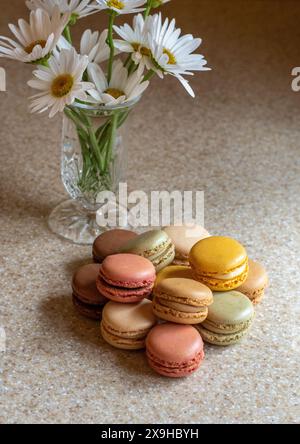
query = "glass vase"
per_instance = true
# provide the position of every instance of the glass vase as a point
(93, 160)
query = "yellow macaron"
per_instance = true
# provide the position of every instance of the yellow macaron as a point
(219, 262)
(174, 271)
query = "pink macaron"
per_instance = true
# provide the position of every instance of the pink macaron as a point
(174, 350)
(126, 278)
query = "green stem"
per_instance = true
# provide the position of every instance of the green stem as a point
(131, 67)
(95, 147)
(110, 42)
(148, 9)
(149, 75)
(67, 34)
(123, 116)
(77, 122)
(112, 139)
(127, 61)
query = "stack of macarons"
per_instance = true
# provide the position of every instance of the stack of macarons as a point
(222, 264)
(168, 291)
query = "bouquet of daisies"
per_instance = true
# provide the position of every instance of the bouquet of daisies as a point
(108, 72)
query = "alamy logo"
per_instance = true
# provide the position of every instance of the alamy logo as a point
(296, 80)
(158, 208)
(2, 79)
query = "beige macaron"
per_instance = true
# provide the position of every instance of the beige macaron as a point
(126, 326)
(180, 300)
(256, 282)
(184, 237)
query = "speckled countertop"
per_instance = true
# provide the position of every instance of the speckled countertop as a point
(239, 142)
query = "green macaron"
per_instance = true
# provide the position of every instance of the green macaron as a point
(154, 245)
(229, 318)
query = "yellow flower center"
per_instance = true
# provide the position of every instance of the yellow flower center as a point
(115, 4)
(115, 93)
(172, 60)
(143, 50)
(32, 45)
(62, 85)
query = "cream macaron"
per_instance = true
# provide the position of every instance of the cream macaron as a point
(184, 237)
(180, 300)
(126, 326)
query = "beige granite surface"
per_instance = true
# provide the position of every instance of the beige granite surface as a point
(239, 142)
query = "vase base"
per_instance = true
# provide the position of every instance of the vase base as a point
(70, 221)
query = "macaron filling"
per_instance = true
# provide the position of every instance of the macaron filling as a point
(180, 259)
(170, 314)
(167, 254)
(129, 334)
(127, 284)
(230, 274)
(187, 308)
(165, 245)
(92, 311)
(170, 368)
(122, 342)
(233, 274)
(222, 284)
(219, 338)
(226, 328)
(186, 301)
(111, 290)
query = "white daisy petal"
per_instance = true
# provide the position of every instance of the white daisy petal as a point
(94, 46)
(135, 40)
(122, 6)
(97, 76)
(60, 83)
(79, 8)
(36, 39)
(186, 85)
(122, 87)
(173, 53)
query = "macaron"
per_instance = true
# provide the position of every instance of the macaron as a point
(256, 282)
(184, 237)
(180, 300)
(154, 245)
(126, 278)
(126, 326)
(86, 297)
(174, 271)
(219, 262)
(229, 319)
(174, 350)
(110, 242)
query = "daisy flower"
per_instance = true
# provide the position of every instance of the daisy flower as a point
(135, 40)
(172, 53)
(122, 87)
(36, 39)
(77, 8)
(121, 6)
(93, 44)
(60, 83)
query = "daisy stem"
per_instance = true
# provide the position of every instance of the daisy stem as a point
(149, 75)
(131, 67)
(112, 138)
(127, 61)
(148, 9)
(67, 34)
(110, 42)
